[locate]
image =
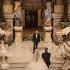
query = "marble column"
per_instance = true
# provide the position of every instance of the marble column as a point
(8, 13)
(1, 11)
(65, 17)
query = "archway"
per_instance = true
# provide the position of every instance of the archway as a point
(31, 18)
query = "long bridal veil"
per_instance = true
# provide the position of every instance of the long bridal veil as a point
(37, 63)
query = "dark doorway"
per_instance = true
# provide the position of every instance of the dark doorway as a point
(31, 19)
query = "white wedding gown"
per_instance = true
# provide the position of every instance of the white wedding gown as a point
(39, 65)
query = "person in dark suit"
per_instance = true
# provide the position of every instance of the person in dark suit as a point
(46, 57)
(36, 40)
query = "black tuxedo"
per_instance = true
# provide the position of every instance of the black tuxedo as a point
(36, 40)
(46, 58)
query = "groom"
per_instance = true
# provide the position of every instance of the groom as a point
(36, 40)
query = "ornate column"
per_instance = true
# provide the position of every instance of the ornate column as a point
(65, 13)
(1, 11)
(8, 13)
(65, 18)
(57, 15)
(47, 24)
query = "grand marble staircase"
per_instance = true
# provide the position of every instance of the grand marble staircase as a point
(23, 66)
(20, 57)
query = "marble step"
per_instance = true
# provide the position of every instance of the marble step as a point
(56, 65)
(16, 62)
(14, 65)
(26, 69)
(57, 60)
(22, 52)
(55, 68)
(17, 69)
(22, 66)
(18, 65)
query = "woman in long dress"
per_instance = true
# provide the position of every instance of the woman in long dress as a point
(37, 64)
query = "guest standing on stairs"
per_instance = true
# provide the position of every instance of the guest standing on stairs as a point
(36, 40)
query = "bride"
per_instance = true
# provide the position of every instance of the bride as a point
(37, 64)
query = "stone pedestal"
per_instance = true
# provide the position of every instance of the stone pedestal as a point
(48, 39)
(48, 34)
(18, 33)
